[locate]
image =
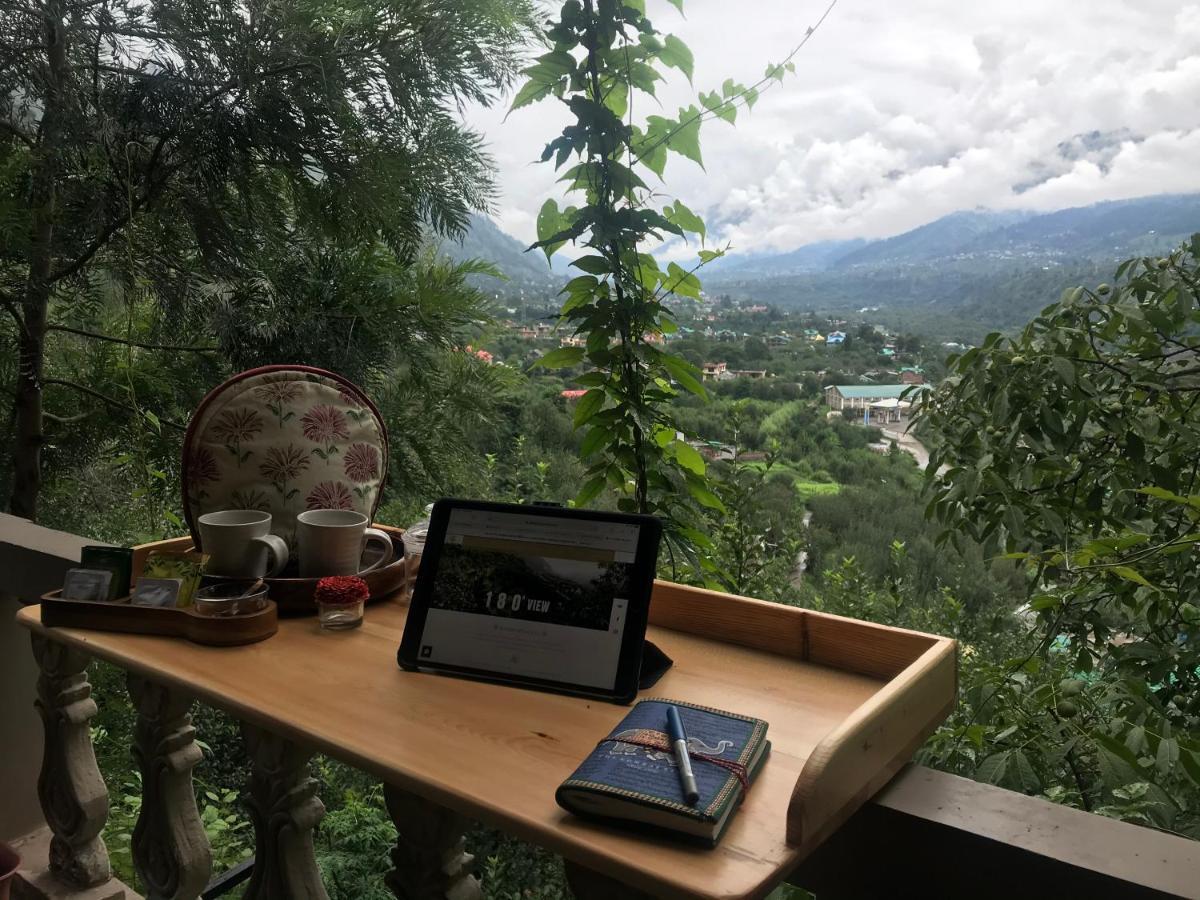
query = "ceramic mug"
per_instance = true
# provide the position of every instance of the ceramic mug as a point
(332, 541)
(238, 543)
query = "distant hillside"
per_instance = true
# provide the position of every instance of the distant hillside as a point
(486, 241)
(983, 268)
(939, 239)
(1111, 231)
(809, 258)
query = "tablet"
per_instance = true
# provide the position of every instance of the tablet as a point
(536, 596)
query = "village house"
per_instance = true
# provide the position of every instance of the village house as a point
(712, 370)
(879, 402)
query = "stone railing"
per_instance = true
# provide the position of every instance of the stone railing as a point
(926, 832)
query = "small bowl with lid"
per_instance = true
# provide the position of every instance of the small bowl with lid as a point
(230, 598)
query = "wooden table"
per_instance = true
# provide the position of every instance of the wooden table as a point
(847, 703)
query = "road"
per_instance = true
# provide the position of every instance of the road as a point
(910, 445)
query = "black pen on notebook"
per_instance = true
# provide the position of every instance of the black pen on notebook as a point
(679, 743)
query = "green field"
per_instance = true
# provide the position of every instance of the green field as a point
(805, 488)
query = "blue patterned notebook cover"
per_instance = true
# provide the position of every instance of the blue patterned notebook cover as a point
(648, 775)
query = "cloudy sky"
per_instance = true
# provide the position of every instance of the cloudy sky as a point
(901, 112)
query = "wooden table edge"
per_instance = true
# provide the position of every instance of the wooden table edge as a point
(792, 641)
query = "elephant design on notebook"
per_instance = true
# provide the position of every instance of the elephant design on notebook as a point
(695, 745)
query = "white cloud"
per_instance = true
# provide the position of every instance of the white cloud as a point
(900, 113)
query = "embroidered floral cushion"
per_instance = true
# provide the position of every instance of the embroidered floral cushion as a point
(284, 439)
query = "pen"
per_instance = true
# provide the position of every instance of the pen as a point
(679, 742)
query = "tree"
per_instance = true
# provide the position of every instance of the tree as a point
(1075, 447)
(156, 150)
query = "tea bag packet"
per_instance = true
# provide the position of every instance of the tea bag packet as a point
(118, 560)
(88, 584)
(150, 591)
(184, 565)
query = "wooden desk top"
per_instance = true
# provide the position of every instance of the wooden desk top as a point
(498, 753)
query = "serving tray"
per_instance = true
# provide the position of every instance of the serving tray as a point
(294, 595)
(121, 615)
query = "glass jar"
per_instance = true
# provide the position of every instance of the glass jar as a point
(414, 545)
(340, 616)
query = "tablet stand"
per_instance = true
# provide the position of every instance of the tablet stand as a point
(654, 665)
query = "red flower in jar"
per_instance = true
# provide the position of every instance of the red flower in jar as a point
(342, 590)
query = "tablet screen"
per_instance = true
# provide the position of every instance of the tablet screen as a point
(531, 596)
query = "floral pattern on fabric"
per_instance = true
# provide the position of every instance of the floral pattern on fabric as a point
(329, 495)
(251, 498)
(361, 463)
(233, 427)
(324, 424)
(279, 397)
(283, 465)
(284, 441)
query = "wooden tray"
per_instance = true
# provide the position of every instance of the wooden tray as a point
(121, 615)
(295, 595)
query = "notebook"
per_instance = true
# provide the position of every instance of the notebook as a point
(631, 776)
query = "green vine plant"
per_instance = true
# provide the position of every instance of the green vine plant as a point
(604, 54)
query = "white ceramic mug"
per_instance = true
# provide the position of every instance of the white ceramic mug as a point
(238, 543)
(331, 542)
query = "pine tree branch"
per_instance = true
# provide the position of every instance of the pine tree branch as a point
(108, 400)
(65, 420)
(106, 234)
(12, 129)
(14, 310)
(144, 346)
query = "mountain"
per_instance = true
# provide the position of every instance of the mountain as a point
(809, 258)
(485, 241)
(943, 237)
(1112, 230)
(979, 269)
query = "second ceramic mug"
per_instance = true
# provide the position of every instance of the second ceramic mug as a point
(331, 542)
(238, 542)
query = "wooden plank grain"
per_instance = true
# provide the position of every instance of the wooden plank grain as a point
(772, 627)
(863, 753)
(882, 651)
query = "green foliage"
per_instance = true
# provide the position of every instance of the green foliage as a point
(1075, 447)
(356, 836)
(602, 56)
(263, 171)
(866, 521)
(755, 541)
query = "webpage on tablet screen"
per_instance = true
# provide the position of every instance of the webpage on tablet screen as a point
(528, 595)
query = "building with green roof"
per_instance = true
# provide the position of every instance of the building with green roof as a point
(861, 396)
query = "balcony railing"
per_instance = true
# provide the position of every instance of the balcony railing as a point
(926, 834)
